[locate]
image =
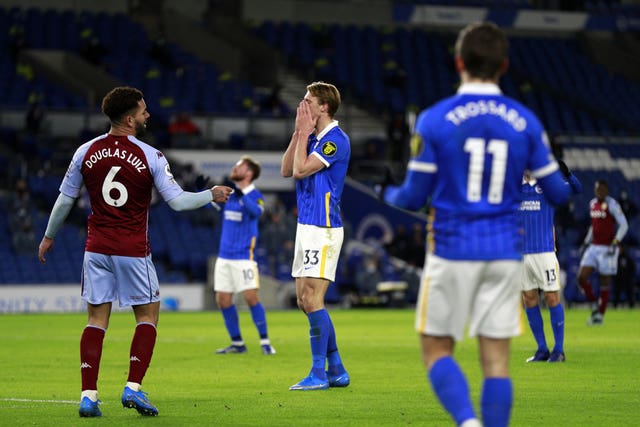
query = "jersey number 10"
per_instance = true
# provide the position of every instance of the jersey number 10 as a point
(476, 147)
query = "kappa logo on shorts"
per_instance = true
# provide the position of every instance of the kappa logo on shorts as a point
(329, 148)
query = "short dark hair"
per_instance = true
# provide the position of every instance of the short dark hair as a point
(253, 165)
(119, 101)
(483, 48)
(326, 94)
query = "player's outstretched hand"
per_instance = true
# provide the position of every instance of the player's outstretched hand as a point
(221, 193)
(564, 169)
(201, 182)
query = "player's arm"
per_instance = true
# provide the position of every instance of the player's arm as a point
(59, 213)
(254, 206)
(188, 201)
(552, 183)
(623, 225)
(589, 237)
(411, 194)
(286, 167)
(572, 180)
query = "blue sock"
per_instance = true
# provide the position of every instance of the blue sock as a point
(319, 338)
(557, 325)
(451, 387)
(259, 319)
(230, 315)
(537, 326)
(333, 356)
(496, 402)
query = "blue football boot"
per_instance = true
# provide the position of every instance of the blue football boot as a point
(232, 349)
(311, 382)
(340, 380)
(540, 356)
(139, 401)
(556, 356)
(89, 408)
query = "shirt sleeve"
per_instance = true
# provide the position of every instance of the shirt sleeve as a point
(252, 203)
(623, 225)
(59, 213)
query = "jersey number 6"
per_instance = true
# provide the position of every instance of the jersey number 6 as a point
(110, 184)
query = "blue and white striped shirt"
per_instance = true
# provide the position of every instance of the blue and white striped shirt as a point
(318, 195)
(469, 153)
(240, 224)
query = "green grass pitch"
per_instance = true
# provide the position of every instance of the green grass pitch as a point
(598, 385)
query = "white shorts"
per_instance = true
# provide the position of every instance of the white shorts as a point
(484, 294)
(601, 258)
(317, 251)
(130, 280)
(541, 271)
(235, 275)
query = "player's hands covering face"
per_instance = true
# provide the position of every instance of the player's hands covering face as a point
(305, 122)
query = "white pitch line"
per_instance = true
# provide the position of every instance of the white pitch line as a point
(13, 399)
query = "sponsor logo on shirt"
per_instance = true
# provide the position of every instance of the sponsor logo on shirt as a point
(530, 205)
(233, 215)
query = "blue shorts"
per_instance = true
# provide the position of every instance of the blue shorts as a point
(130, 280)
(602, 258)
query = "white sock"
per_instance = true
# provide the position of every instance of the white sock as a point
(133, 386)
(471, 422)
(265, 341)
(91, 394)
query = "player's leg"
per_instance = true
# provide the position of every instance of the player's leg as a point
(91, 344)
(310, 295)
(314, 267)
(442, 310)
(227, 276)
(259, 317)
(495, 320)
(530, 299)
(137, 281)
(584, 274)
(556, 313)
(605, 285)
(231, 323)
(98, 291)
(142, 346)
(496, 397)
(588, 263)
(336, 372)
(447, 380)
(607, 268)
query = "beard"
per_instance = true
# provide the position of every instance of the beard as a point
(141, 129)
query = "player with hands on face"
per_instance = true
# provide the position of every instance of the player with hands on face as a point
(317, 158)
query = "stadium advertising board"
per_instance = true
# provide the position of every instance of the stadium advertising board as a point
(66, 298)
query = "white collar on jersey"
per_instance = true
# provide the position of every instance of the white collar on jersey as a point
(249, 188)
(327, 128)
(480, 89)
